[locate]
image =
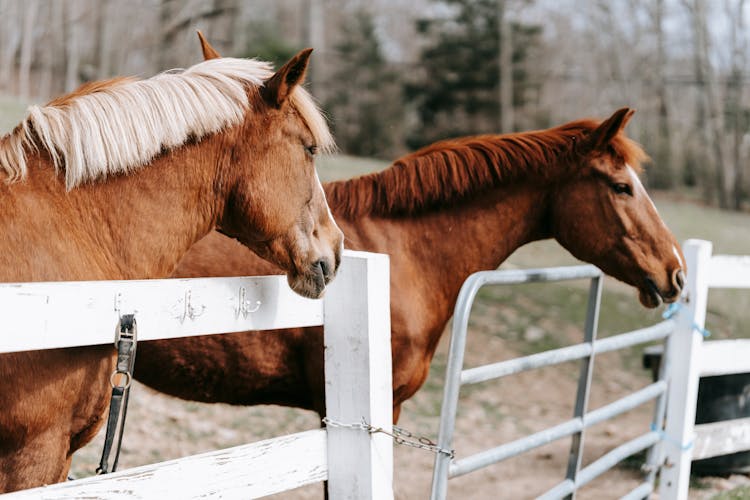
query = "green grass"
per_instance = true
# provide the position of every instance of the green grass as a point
(333, 167)
(741, 493)
(11, 112)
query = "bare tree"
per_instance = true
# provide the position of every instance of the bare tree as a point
(709, 117)
(72, 54)
(506, 67)
(316, 39)
(31, 8)
(177, 20)
(11, 39)
(663, 175)
(734, 180)
(103, 36)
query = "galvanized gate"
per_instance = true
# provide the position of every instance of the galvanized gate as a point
(447, 467)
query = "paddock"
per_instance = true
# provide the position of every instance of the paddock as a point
(355, 313)
(705, 357)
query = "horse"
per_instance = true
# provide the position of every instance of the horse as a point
(442, 213)
(117, 180)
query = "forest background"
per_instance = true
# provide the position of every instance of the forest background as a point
(394, 75)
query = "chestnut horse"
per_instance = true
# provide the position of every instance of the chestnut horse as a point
(444, 212)
(150, 167)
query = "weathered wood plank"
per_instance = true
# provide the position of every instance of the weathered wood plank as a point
(358, 374)
(725, 357)
(358, 379)
(721, 438)
(248, 471)
(66, 314)
(683, 357)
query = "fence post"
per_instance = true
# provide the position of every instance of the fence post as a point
(358, 378)
(682, 356)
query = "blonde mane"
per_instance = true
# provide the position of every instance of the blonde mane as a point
(116, 126)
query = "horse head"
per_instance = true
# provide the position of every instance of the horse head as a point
(602, 214)
(281, 134)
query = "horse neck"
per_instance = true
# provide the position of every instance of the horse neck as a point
(131, 226)
(433, 253)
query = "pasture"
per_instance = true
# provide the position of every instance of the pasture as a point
(506, 322)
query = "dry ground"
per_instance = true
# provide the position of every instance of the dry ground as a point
(506, 323)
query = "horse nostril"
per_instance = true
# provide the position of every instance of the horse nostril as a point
(678, 279)
(324, 266)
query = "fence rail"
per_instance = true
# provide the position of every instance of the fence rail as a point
(674, 439)
(268, 467)
(356, 320)
(70, 314)
(456, 376)
(688, 357)
(355, 315)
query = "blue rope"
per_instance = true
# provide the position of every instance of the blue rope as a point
(702, 331)
(672, 309)
(664, 437)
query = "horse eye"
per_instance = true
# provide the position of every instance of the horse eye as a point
(311, 150)
(622, 188)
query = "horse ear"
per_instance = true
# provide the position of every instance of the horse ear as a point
(610, 127)
(208, 51)
(280, 86)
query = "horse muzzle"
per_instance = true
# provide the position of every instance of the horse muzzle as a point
(651, 294)
(312, 284)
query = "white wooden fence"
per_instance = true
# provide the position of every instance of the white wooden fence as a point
(689, 357)
(356, 317)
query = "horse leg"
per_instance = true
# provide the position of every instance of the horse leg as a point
(42, 459)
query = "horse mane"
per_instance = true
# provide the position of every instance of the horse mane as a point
(115, 126)
(447, 171)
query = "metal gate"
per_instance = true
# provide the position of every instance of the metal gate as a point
(447, 467)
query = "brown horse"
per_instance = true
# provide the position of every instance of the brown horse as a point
(150, 167)
(442, 213)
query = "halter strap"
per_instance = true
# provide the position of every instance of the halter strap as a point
(121, 378)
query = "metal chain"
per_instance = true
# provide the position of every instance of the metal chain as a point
(398, 434)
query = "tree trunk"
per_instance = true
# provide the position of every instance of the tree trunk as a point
(316, 40)
(505, 39)
(663, 174)
(103, 35)
(735, 178)
(47, 71)
(27, 47)
(72, 56)
(165, 15)
(11, 38)
(709, 116)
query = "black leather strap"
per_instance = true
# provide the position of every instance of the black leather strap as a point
(125, 342)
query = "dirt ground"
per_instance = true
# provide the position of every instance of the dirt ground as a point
(503, 325)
